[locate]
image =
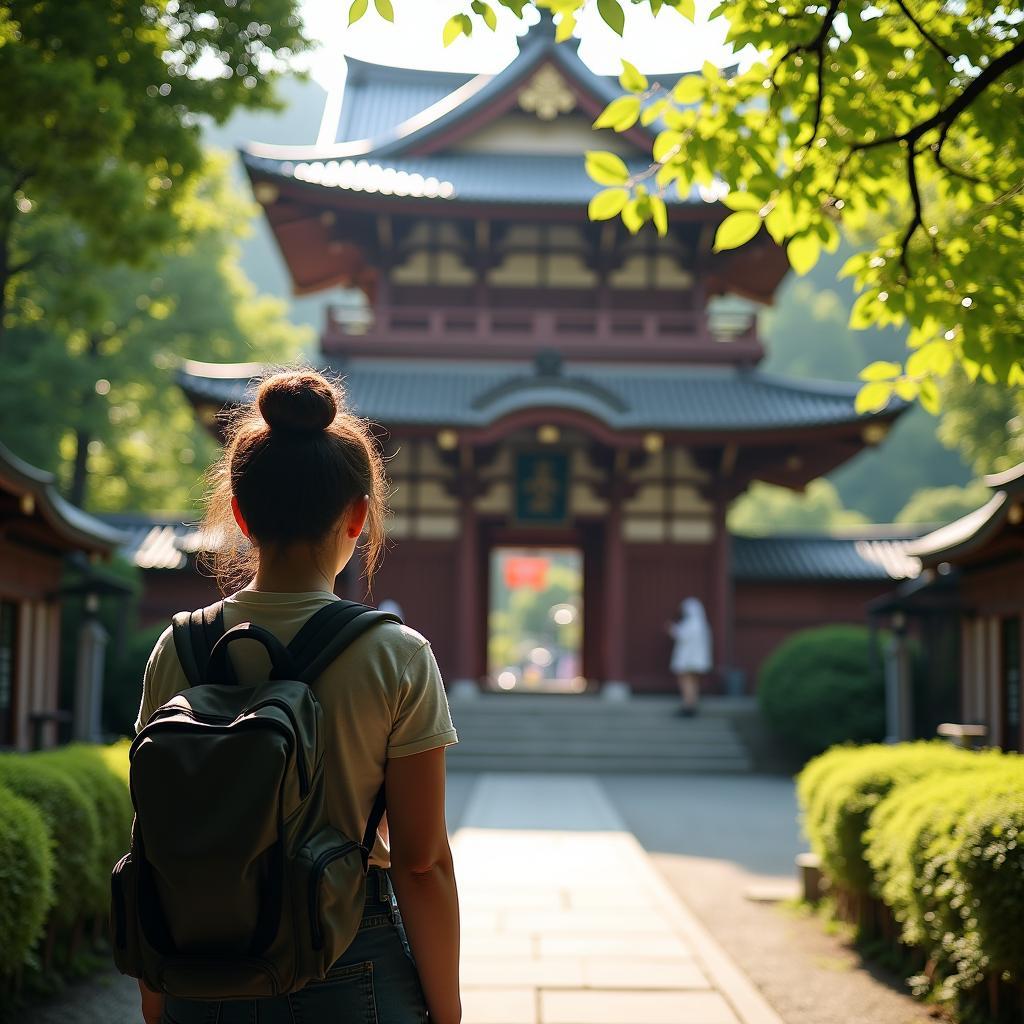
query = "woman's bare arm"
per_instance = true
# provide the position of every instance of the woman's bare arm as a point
(424, 877)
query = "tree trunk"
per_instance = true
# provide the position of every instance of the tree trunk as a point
(83, 436)
(80, 470)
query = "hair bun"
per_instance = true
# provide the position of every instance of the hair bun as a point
(301, 402)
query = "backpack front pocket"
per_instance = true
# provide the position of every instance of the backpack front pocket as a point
(334, 884)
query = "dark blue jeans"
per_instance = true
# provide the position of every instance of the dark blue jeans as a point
(374, 982)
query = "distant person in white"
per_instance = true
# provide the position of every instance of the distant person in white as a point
(691, 652)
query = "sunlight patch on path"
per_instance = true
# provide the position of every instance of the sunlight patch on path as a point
(566, 922)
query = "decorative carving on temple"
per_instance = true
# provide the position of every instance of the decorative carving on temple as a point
(547, 95)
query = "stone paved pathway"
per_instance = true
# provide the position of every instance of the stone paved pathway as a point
(566, 922)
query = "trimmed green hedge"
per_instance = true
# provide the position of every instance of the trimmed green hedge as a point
(935, 835)
(26, 879)
(821, 687)
(112, 806)
(71, 820)
(65, 819)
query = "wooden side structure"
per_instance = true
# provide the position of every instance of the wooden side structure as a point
(39, 533)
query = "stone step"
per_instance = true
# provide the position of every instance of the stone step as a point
(604, 764)
(513, 745)
(558, 733)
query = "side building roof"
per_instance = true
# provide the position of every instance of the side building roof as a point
(168, 543)
(37, 499)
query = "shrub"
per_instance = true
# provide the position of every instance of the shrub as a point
(911, 846)
(71, 821)
(850, 785)
(26, 879)
(111, 802)
(821, 687)
(986, 885)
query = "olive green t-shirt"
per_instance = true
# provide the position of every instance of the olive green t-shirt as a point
(382, 698)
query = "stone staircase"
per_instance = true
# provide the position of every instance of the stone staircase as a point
(585, 733)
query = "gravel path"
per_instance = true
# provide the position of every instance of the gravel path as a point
(712, 839)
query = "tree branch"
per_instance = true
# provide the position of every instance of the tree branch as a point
(917, 221)
(925, 34)
(947, 115)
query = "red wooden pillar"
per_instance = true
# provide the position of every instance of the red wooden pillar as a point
(721, 588)
(615, 580)
(468, 615)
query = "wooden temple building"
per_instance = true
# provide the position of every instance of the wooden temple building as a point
(49, 552)
(542, 381)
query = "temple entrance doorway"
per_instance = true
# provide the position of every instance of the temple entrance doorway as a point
(535, 619)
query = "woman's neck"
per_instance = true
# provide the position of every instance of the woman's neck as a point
(293, 571)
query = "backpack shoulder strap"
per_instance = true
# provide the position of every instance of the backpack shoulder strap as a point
(195, 634)
(329, 632)
(322, 639)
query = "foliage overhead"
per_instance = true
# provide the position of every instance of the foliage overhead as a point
(908, 112)
(97, 347)
(100, 104)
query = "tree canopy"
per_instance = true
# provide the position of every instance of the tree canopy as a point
(99, 104)
(96, 347)
(854, 113)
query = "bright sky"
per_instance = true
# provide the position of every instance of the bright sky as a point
(667, 43)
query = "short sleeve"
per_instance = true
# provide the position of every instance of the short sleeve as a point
(154, 680)
(422, 718)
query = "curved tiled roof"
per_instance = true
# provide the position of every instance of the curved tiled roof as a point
(477, 393)
(166, 543)
(826, 558)
(67, 520)
(468, 177)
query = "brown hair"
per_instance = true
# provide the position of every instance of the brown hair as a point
(295, 459)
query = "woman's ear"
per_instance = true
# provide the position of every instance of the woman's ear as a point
(356, 518)
(239, 518)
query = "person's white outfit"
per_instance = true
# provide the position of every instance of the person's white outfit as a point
(691, 651)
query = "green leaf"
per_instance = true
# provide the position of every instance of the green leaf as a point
(608, 203)
(803, 252)
(880, 370)
(453, 28)
(873, 397)
(737, 200)
(633, 215)
(736, 229)
(515, 6)
(620, 114)
(935, 359)
(607, 168)
(611, 14)
(385, 10)
(864, 312)
(631, 80)
(689, 89)
(659, 214)
(486, 12)
(666, 145)
(357, 10)
(929, 396)
(687, 8)
(652, 112)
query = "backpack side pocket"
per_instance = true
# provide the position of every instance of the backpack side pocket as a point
(124, 917)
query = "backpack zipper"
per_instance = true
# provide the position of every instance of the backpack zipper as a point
(319, 866)
(300, 763)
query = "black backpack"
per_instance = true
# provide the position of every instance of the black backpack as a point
(235, 884)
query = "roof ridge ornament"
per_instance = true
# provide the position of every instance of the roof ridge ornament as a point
(547, 94)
